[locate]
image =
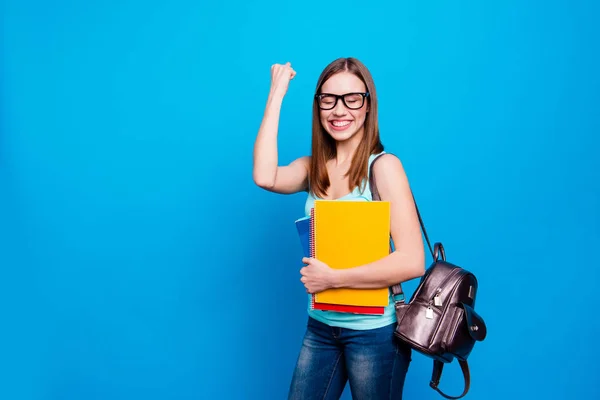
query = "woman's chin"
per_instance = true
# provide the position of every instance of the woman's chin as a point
(341, 136)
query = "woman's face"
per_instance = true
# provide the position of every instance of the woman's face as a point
(344, 117)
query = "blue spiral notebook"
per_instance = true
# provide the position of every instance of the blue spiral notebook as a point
(303, 227)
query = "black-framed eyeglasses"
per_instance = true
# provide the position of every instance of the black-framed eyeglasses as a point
(353, 101)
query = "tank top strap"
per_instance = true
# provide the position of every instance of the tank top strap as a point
(367, 188)
(372, 158)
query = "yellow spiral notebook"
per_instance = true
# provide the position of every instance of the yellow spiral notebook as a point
(348, 234)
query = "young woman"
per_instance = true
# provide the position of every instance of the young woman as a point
(342, 347)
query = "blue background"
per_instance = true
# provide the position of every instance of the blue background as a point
(139, 261)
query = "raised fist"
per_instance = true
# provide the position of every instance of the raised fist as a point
(281, 74)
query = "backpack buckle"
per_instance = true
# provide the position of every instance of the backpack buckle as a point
(398, 298)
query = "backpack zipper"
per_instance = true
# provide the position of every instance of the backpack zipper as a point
(435, 299)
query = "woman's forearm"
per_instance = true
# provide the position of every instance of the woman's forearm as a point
(265, 146)
(392, 269)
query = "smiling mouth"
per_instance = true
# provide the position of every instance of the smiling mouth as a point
(340, 123)
(337, 124)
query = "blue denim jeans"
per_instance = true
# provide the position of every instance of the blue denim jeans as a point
(372, 361)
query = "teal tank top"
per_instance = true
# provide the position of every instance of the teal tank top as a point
(348, 320)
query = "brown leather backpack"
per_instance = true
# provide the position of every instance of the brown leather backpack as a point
(439, 321)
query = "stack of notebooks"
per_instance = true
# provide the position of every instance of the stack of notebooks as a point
(347, 234)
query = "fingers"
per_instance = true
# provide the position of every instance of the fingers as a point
(291, 70)
(281, 66)
(287, 67)
(312, 261)
(304, 271)
(304, 279)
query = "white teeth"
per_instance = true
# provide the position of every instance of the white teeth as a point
(340, 123)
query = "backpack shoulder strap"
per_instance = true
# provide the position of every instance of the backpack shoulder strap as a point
(376, 197)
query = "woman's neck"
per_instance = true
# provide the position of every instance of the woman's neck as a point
(345, 150)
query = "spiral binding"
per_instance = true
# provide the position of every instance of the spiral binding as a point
(311, 241)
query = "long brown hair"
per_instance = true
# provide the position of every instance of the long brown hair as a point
(323, 145)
